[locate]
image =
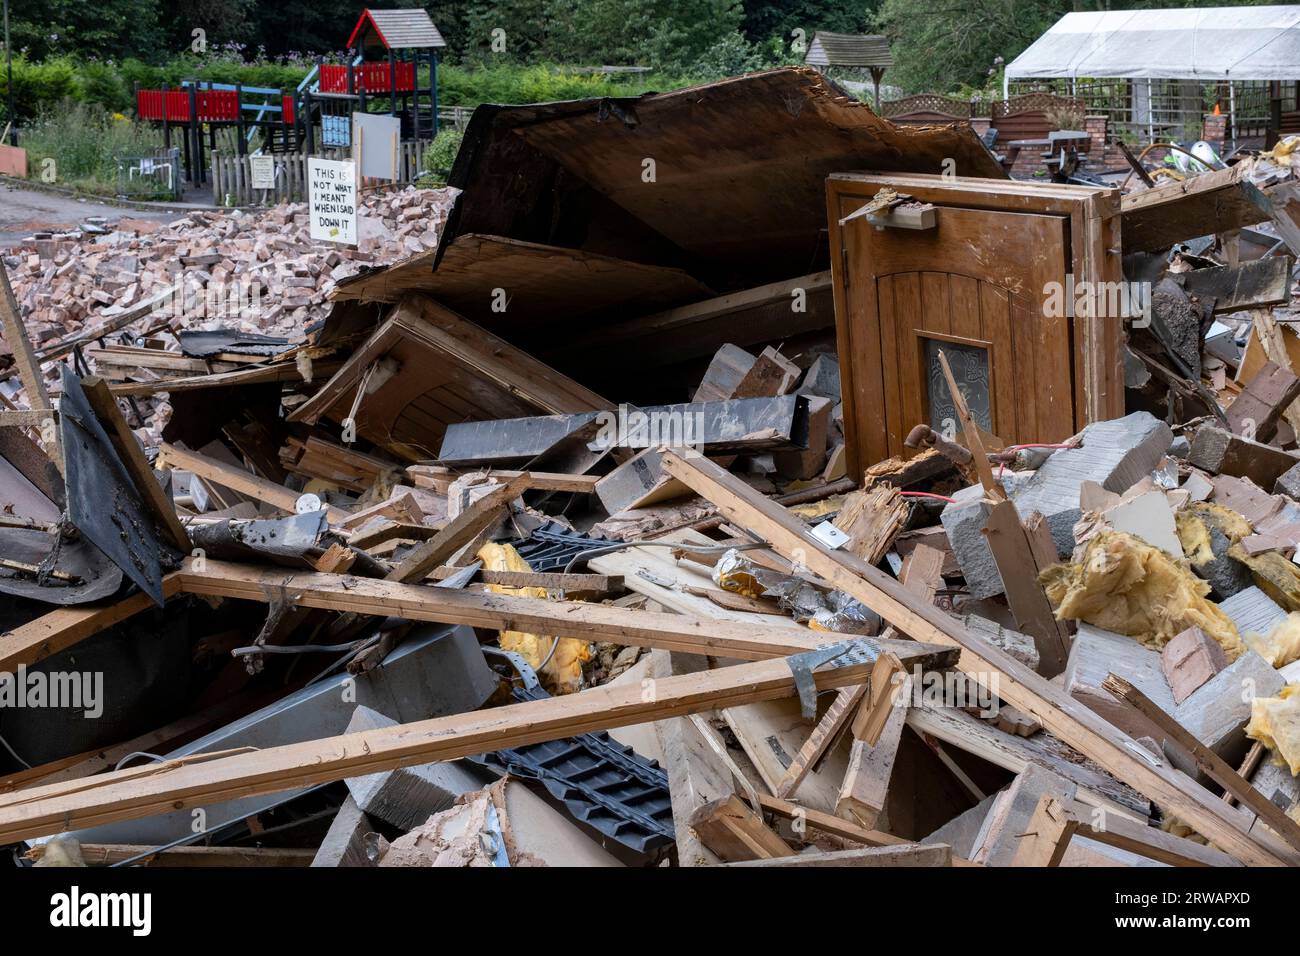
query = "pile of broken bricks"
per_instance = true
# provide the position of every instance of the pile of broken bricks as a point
(402, 588)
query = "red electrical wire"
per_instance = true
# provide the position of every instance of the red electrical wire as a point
(926, 494)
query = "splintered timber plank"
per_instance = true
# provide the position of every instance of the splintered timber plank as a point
(1151, 842)
(604, 622)
(1216, 201)
(823, 737)
(29, 368)
(1069, 720)
(458, 532)
(1021, 555)
(1214, 765)
(175, 785)
(734, 832)
(236, 479)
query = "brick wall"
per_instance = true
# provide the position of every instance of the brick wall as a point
(1214, 129)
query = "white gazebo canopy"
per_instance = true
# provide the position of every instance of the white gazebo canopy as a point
(1211, 43)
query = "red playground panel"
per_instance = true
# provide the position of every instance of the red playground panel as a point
(214, 106)
(369, 77)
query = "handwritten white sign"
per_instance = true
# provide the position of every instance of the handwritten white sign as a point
(332, 199)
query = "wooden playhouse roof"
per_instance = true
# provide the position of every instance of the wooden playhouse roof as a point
(399, 29)
(848, 49)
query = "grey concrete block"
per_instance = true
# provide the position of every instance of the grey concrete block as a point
(1289, 483)
(1116, 454)
(963, 521)
(344, 843)
(1217, 712)
(822, 378)
(408, 796)
(1252, 610)
(1096, 653)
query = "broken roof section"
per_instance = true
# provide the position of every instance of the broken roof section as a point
(724, 180)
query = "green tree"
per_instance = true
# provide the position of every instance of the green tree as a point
(780, 18)
(940, 46)
(105, 29)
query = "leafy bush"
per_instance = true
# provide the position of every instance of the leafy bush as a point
(39, 85)
(86, 145)
(730, 56)
(102, 84)
(439, 158)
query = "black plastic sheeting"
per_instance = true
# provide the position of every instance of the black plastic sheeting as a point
(604, 784)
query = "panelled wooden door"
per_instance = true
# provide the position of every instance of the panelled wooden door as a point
(975, 286)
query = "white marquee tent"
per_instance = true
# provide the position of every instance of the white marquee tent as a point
(1236, 47)
(1214, 43)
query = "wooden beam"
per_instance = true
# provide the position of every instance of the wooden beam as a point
(128, 449)
(1212, 202)
(865, 788)
(62, 628)
(29, 369)
(1021, 555)
(1047, 836)
(458, 532)
(236, 479)
(603, 622)
(908, 855)
(734, 832)
(552, 581)
(975, 445)
(828, 823)
(999, 672)
(206, 779)
(888, 679)
(439, 477)
(253, 375)
(1218, 769)
(823, 737)
(107, 854)
(1150, 842)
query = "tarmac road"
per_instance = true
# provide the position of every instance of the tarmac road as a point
(24, 211)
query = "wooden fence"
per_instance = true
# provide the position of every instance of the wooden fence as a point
(232, 176)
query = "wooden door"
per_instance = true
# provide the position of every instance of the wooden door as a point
(976, 286)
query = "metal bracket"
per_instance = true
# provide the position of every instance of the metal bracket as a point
(841, 654)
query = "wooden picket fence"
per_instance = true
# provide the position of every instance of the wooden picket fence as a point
(232, 176)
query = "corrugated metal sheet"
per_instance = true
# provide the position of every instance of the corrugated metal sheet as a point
(848, 49)
(401, 29)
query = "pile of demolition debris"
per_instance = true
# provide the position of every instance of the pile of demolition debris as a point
(649, 516)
